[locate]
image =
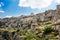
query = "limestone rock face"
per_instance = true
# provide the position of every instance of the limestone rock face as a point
(24, 21)
(49, 17)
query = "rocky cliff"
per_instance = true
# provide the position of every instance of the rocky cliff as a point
(38, 21)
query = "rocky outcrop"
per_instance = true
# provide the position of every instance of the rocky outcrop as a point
(24, 21)
(30, 23)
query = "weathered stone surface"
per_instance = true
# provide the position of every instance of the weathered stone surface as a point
(50, 17)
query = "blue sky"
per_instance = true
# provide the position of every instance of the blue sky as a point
(10, 8)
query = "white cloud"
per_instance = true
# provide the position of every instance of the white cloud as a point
(8, 16)
(1, 4)
(35, 3)
(57, 1)
(1, 11)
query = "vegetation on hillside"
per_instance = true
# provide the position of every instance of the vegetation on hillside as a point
(42, 26)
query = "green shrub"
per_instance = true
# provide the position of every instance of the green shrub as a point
(21, 32)
(47, 38)
(48, 29)
(31, 37)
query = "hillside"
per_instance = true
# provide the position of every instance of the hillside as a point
(32, 24)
